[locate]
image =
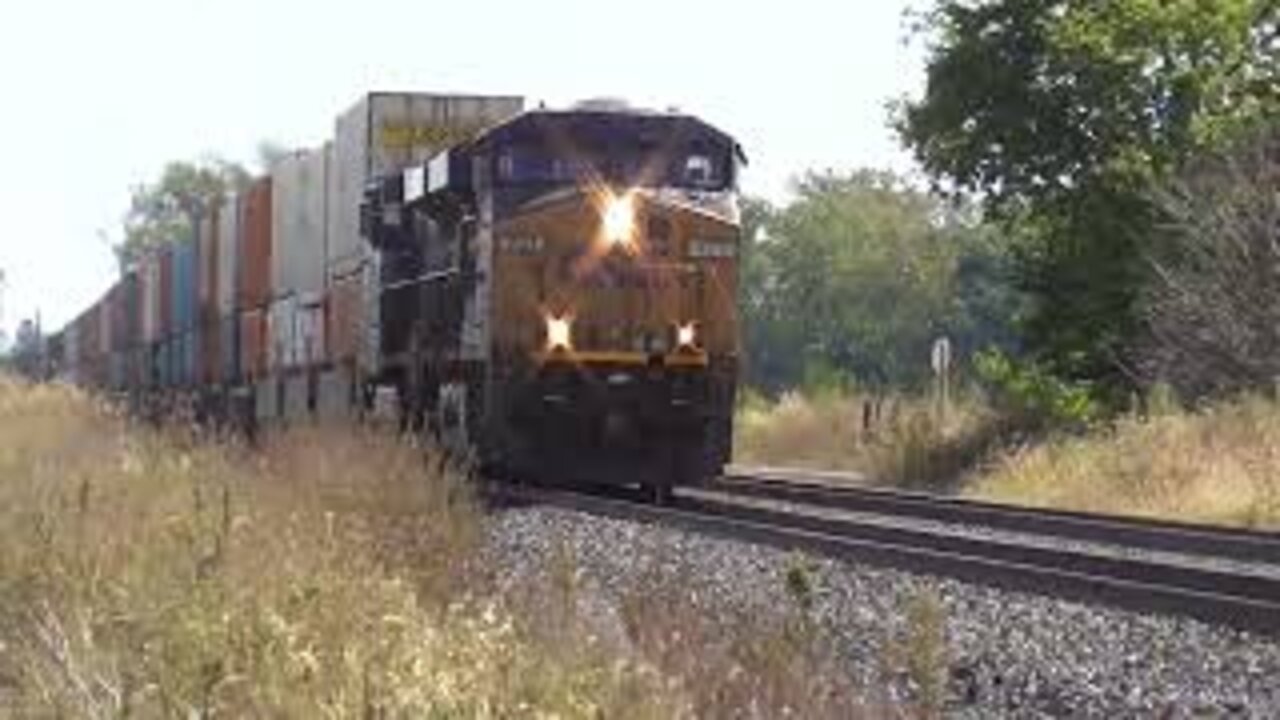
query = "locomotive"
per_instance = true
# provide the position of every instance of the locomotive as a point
(559, 295)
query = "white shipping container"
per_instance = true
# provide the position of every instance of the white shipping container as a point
(386, 132)
(228, 232)
(298, 229)
(281, 344)
(308, 332)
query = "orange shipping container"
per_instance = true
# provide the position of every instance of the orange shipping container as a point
(253, 344)
(254, 289)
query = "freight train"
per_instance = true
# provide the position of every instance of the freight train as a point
(549, 292)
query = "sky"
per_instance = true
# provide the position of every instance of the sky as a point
(98, 96)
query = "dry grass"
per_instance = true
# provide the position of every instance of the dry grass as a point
(1219, 465)
(896, 440)
(330, 575)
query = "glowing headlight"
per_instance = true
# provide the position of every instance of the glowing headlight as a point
(559, 336)
(619, 220)
(686, 335)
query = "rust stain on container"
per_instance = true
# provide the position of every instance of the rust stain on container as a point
(253, 344)
(254, 291)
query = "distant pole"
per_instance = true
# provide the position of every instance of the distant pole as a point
(940, 361)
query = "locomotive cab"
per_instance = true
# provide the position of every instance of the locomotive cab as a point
(573, 283)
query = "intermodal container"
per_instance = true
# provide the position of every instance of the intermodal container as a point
(228, 244)
(207, 335)
(254, 286)
(309, 331)
(299, 191)
(105, 311)
(71, 352)
(228, 347)
(164, 362)
(280, 330)
(164, 298)
(253, 344)
(116, 368)
(184, 262)
(130, 313)
(187, 364)
(207, 262)
(344, 318)
(90, 345)
(149, 275)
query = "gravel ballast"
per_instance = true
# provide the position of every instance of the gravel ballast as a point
(1007, 654)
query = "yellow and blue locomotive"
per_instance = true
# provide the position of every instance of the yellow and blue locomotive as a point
(558, 295)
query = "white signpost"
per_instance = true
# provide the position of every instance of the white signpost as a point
(940, 360)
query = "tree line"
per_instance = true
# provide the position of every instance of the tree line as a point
(1102, 214)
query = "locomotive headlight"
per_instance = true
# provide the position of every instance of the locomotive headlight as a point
(619, 220)
(559, 333)
(686, 335)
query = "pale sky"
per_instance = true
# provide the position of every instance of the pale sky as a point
(99, 95)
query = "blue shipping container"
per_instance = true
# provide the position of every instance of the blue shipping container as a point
(184, 284)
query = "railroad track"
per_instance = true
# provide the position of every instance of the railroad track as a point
(935, 536)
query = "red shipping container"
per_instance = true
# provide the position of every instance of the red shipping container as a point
(343, 332)
(253, 344)
(254, 290)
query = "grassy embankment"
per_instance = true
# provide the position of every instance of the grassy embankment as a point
(1217, 465)
(330, 574)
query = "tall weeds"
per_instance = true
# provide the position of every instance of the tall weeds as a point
(332, 574)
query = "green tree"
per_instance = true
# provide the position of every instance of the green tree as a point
(857, 277)
(164, 211)
(1060, 114)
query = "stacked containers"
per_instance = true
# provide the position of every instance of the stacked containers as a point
(207, 329)
(384, 133)
(253, 290)
(298, 213)
(225, 305)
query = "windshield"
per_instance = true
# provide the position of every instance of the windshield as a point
(698, 166)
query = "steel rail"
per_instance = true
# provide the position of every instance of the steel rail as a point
(1132, 532)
